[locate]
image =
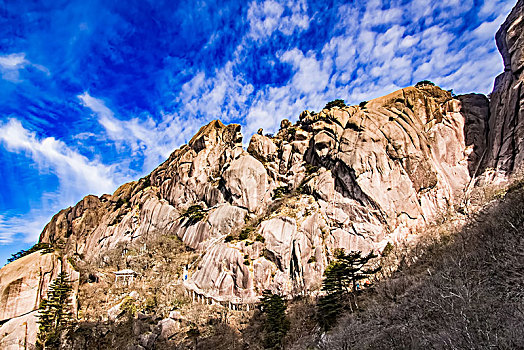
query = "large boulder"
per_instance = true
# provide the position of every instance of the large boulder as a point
(262, 148)
(246, 183)
(23, 284)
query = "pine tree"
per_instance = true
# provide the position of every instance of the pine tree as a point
(276, 324)
(341, 283)
(55, 313)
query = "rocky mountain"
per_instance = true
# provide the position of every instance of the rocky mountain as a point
(271, 216)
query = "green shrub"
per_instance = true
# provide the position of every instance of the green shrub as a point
(229, 238)
(280, 191)
(128, 306)
(72, 262)
(311, 169)
(44, 248)
(150, 304)
(424, 82)
(194, 214)
(244, 234)
(387, 249)
(363, 104)
(177, 304)
(120, 203)
(260, 238)
(335, 103)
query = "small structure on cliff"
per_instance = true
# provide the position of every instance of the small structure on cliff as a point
(125, 276)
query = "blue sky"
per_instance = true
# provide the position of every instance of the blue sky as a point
(97, 93)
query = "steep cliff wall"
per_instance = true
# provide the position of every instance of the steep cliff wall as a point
(346, 177)
(506, 123)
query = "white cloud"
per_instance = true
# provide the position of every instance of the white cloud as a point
(488, 29)
(222, 95)
(10, 66)
(74, 171)
(13, 61)
(491, 7)
(77, 176)
(310, 74)
(145, 138)
(268, 16)
(29, 226)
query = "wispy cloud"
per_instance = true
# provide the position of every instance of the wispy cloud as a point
(77, 176)
(28, 226)
(144, 137)
(269, 16)
(10, 66)
(73, 170)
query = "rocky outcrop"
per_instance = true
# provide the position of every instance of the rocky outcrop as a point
(23, 284)
(506, 123)
(353, 178)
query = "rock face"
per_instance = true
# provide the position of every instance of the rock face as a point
(23, 284)
(506, 124)
(353, 178)
(272, 216)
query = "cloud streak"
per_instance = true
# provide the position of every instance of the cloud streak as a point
(72, 169)
(76, 176)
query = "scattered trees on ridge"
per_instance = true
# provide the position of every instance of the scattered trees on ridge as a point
(341, 283)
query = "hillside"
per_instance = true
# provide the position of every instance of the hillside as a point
(272, 216)
(464, 291)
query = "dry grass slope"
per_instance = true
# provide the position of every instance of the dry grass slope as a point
(465, 291)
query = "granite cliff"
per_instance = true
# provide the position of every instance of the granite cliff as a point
(271, 216)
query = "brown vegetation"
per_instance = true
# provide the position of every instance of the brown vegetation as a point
(465, 291)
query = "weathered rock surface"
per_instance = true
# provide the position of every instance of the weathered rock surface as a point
(354, 177)
(23, 284)
(19, 332)
(506, 123)
(246, 183)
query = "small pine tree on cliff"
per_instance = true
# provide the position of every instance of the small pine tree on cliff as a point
(335, 103)
(55, 313)
(341, 284)
(276, 324)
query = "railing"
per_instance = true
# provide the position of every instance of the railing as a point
(235, 304)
